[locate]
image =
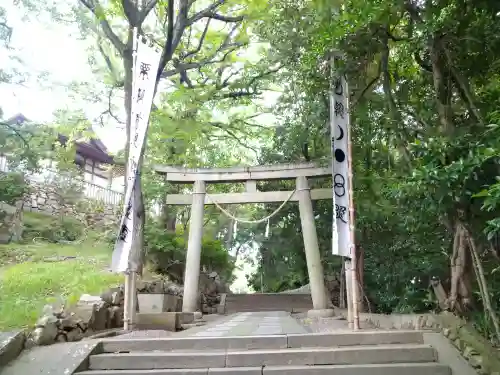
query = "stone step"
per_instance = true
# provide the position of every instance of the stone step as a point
(268, 302)
(378, 369)
(347, 338)
(380, 354)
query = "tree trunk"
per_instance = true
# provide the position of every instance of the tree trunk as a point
(483, 286)
(441, 86)
(460, 296)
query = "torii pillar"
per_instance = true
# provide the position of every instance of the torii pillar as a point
(193, 255)
(321, 307)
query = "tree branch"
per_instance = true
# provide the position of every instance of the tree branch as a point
(189, 66)
(8, 31)
(394, 111)
(150, 5)
(96, 9)
(205, 12)
(233, 135)
(131, 11)
(16, 132)
(174, 33)
(109, 111)
(463, 86)
(368, 87)
(200, 43)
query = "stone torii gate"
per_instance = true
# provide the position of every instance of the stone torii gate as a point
(250, 175)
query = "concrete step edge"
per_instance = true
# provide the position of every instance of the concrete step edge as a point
(339, 339)
(401, 368)
(311, 334)
(251, 358)
(271, 350)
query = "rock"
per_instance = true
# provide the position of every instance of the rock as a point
(45, 335)
(82, 315)
(61, 337)
(68, 322)
(174, 289)
(74, 335)
(205, 308)
(113, 296)
(476, 361)
(458, 343)
(157, 287)
(116, 316)
(89, 300)
(100, 318)
(469, 352)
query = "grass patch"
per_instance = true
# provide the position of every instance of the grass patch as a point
(27, 283)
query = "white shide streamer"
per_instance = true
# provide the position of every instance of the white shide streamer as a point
(339, 130)
(146, 62)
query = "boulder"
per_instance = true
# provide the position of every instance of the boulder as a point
(46, 330)
(100, 318)
(113, 296)
(93, 313)
(116, 316)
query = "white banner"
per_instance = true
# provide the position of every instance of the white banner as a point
(146, 63)
(339, 130)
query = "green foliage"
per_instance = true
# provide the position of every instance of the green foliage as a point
(167, 253)
(424, 157)
(24, 145)
(51, 228)
(12, 187)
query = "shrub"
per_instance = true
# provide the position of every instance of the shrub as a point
(51, 228)
(12, 187)
(166, 251)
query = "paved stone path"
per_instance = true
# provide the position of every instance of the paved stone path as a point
(62, 359)
(57, 359)
(249, 324)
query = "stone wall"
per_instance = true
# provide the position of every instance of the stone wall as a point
(54, 200)
(475, 349)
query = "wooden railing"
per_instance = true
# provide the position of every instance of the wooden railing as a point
(105, 195)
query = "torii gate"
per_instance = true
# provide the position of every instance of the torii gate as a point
(250, 175)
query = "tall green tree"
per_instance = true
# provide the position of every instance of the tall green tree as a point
(424, 86)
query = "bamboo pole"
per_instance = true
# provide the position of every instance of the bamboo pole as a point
(130, 276)
(348, 290)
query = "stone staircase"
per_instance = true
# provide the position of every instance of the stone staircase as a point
(295, 302)
(340, 353)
